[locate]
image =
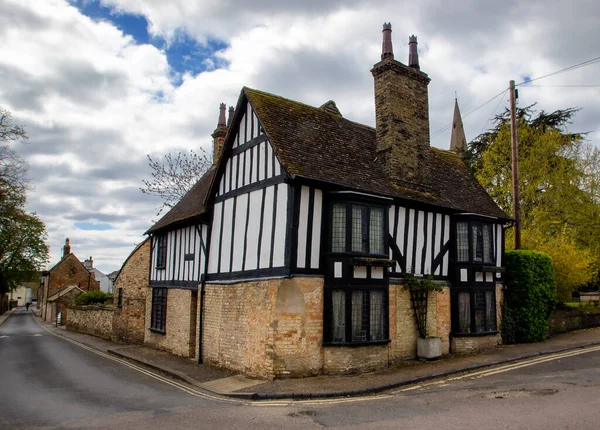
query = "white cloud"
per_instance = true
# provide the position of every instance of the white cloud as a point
(95, 101)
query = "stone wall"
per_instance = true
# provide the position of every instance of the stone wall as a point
(274, 328)
(563, 321)
(180, 328)
(94, 319)
(133, 279)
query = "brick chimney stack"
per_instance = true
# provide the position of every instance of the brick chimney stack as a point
(402, 115)
(89, 264)
(219, 134)
(67, 248)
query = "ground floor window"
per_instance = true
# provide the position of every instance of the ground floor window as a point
(356, 315)
(159, 310)
(475, 311)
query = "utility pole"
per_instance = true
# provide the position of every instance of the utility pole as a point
(515, 166)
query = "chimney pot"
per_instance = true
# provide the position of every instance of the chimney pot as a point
(413, 54)
(387, 51)
(222, 122)
(67, 248)
(230, 117)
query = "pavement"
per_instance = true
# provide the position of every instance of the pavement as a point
(227, 383)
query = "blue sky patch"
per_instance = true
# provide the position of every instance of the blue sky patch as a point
(84, 225)
(184, 54)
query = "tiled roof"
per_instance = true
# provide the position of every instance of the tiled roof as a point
(190, 206)
(313, 143)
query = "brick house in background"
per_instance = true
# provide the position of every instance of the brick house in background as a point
(287, 258)
(129, 300)
(69, 271)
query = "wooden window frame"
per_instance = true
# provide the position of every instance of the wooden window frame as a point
(161, 251)
(470, 249)
(475, 329)
(348, 315)
(158, 316)
(366, 209)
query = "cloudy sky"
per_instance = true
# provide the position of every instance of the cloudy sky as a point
(100, 84)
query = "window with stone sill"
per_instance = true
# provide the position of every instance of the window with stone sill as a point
(357, 228)
(158, 316)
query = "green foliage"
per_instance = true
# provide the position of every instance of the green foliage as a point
(559, 183)
(419, 288)
(91, 298)
(529, 298)
(23, 249)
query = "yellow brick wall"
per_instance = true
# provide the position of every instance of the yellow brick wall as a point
(179, 338)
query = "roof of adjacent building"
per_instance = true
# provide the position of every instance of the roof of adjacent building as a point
(320, 144)
(189, 207)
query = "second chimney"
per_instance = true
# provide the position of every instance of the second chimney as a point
(402, 114)
(219, 134)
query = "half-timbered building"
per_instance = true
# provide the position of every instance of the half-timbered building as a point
(287, 258)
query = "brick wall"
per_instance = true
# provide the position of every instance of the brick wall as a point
(129, 320)
(94, 320)
(180, 334)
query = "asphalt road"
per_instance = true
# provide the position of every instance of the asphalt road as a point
(48, 382)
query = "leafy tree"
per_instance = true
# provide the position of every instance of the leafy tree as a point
(559, 181)
(174, 175)
(23, 250)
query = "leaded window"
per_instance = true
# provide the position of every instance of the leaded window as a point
(357, 228)
(158, 319)
(474, 242)
(161, 251)
(357, 315)
(476, 311)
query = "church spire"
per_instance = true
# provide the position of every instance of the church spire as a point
(458, 140)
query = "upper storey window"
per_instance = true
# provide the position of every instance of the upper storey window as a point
(161, 251)
(474, 242)
(357, 228)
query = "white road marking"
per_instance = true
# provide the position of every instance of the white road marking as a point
(37, 334)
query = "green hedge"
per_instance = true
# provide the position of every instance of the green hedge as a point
(529, 298)
(91, 298)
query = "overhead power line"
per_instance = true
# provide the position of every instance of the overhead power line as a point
(566, 69)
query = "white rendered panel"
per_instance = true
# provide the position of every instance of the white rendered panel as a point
(446, 239)
(400, 239)
(377, 273)
(280, 226)
(254, 159)
(277, 165)
(437, 240)
(429, 244)
(169, 259)
(410, 240)
(391, 220)
(247, 164)
(337, 269)
(202, 259)
(420, 242)
(256, 131)
(241, 174)
(360, 272)
(303, 227)
(184, 250)
(253, 230)
(261, 164)
(215, 242)
(234, 172)
(478, 277)
(316, 230)
(463, 275)
(241, 209)
(267, 227)
(269, 160)
(243, 123)
(227, 176)
(227, 232)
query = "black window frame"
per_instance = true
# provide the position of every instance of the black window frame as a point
(158, 316)
(161, 251)
(119, 297)
(366, 207)
(478, 325)
(349, 315)
(472, 250)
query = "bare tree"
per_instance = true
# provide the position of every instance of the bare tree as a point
(174, 175)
